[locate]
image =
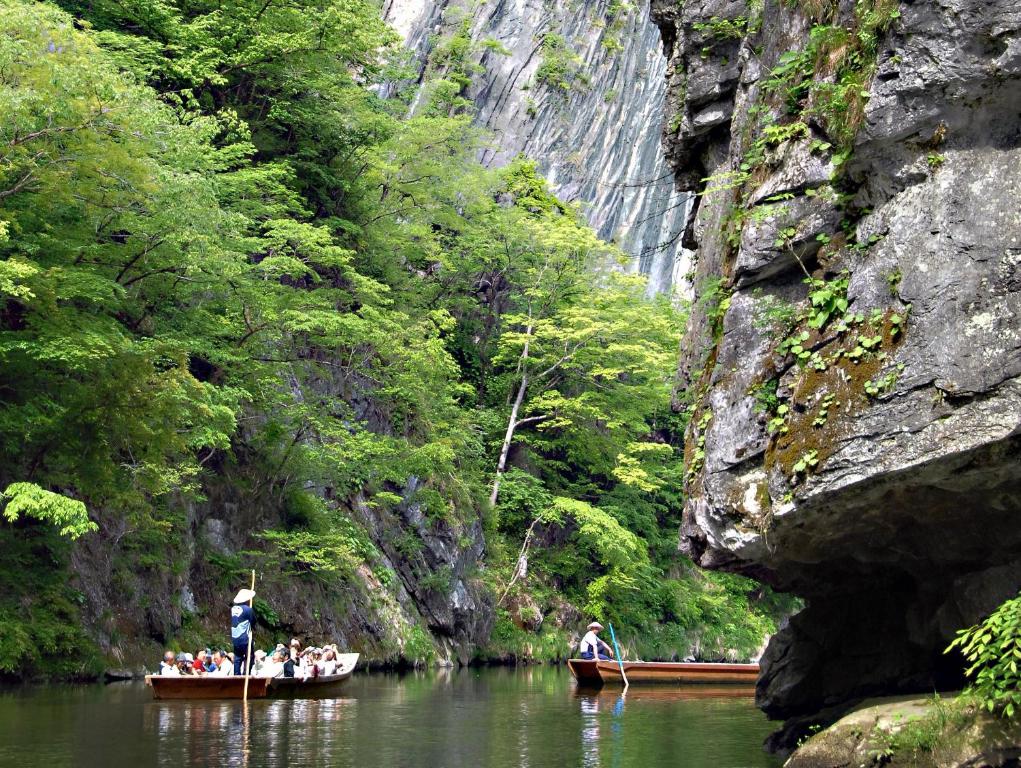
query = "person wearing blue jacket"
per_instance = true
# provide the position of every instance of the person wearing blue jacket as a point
(242, 623)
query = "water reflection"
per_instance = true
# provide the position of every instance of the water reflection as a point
(534, 718)
(590, 731)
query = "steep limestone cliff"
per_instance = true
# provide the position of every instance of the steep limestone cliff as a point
(856, 434)
(575, 87)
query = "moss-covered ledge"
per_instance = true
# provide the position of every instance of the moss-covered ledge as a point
(926, 732)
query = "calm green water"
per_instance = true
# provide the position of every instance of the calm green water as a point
(498, 718)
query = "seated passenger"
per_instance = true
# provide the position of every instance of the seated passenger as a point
(311, 663)
(168, 667)
(592, 647)
(274, 666)
(201, 664)
(289, 666)
(328, 665)
(224, 666)
(258, 663)
(183, 665)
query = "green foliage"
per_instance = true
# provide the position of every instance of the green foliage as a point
(561, 68)
(417, 646)
(509, 641)
(720, 28)
(29, 500)
(827, 299)
(993, 650)
(41, 632)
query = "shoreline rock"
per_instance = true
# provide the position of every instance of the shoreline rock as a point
(929, 732)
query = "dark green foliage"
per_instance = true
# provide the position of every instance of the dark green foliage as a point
(41, 630)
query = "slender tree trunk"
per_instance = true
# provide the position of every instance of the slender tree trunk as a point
(521, 566)
(512, 422)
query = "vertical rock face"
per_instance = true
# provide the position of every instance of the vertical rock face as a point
(574, 86)
(856, 439)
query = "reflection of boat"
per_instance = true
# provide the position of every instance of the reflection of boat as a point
(210, 687)
(667, 692)
(597, 673)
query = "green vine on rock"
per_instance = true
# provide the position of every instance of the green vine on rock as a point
(993, 649)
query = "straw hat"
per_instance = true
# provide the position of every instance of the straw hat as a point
(595, 625)
(243, 596)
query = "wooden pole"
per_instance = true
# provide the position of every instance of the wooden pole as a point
(251, 632)
(620, 661)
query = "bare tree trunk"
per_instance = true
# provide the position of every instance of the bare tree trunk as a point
(521, 566)
(512, 424)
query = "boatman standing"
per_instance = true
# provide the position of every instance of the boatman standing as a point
(242, 622)
(591, 644)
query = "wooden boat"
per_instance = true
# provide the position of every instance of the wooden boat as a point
(597, 673)
(209, 687)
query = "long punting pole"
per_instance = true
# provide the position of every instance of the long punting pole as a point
(248, 657)
(620, 661)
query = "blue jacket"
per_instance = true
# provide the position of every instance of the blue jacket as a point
(242, 620)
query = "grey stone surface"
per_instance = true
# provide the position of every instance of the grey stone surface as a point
(956, 734)
(908, 527)
(597, 144)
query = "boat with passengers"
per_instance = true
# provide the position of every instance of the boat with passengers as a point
(233, 687)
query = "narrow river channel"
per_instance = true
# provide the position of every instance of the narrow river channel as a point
(475, 718)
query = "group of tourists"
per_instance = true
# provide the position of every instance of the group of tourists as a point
(205, 662)
(281, 661)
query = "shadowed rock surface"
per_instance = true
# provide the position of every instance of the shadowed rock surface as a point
(890, 498)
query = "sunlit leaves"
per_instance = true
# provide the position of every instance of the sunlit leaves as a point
(29, 500)
(992, 650)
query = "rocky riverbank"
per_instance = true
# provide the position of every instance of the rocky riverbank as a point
(918, 732)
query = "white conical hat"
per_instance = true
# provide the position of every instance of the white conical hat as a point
(244, 596)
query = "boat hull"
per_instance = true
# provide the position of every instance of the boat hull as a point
(206, 687)
(597, 673)
(585, 672)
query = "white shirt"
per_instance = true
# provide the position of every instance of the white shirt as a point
(225, 669)
(169, 670)
(590, 643)
(271, 668)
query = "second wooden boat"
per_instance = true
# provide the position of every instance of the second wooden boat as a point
(597, 673)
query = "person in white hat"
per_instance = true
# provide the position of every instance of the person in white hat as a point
(591, 644)
(242, 623)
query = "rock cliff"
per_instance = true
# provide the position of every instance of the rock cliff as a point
(574, 86)
(852, 362)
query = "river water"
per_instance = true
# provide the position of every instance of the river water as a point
(473, 718)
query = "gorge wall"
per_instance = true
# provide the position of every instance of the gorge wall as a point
(575, 87)
(854, 437)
